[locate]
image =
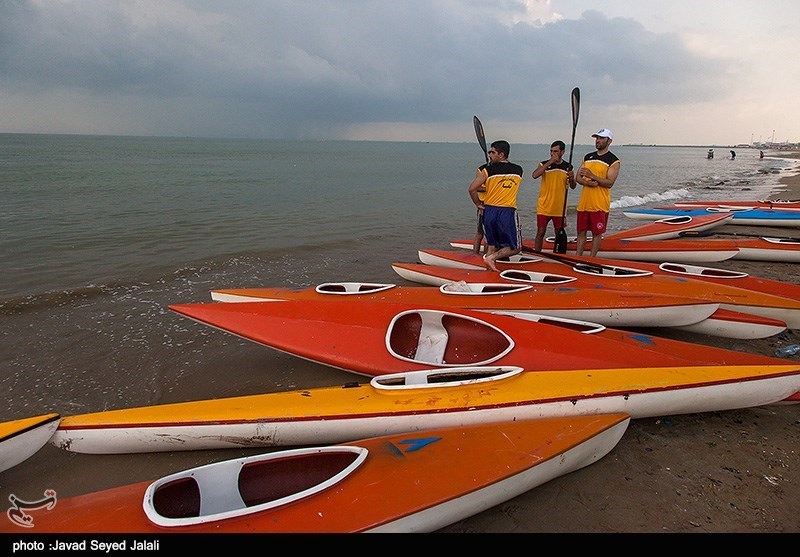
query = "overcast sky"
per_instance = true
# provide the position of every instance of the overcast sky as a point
(666, 72)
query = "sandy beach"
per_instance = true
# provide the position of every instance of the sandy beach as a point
(722, 472)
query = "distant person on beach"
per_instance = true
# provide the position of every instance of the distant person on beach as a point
(761, 154)
(502, 179)
(733, 154)
(711, 153)
(556, 174)
(597, 175)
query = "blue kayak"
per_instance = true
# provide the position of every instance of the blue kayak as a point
(748, 216)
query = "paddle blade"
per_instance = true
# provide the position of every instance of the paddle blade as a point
(481, 137)
(576, 105)
(560, 243)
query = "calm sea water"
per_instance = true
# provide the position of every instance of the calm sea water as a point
(101, 234)
(86, 212)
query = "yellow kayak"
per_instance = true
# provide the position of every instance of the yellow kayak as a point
(425, 399)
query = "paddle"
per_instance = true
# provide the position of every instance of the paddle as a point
(706, 233)
(568, 260)
(560, 244)
(481, 138)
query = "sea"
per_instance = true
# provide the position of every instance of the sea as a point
(101, 234)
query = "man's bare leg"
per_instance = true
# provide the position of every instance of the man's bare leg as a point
(581, 242)
(538, 241)
(477, 244)
(596, 240)
(491, 258)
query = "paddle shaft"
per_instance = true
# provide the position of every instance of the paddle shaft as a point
(576, 107)
(566, 260)
(560, 245)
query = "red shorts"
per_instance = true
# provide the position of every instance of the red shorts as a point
(594, 221)
(542, 220)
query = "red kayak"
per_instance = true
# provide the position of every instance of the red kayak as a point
(372, 338)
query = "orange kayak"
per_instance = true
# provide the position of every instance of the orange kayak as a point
(723, 322)
(683, 271)
(763, 248)
(409, 482)
(630, 276)
(671, 227)
(373, 339)
(615, 308)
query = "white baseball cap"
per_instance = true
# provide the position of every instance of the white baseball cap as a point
(605, 132)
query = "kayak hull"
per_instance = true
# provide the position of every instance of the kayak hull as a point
(407, 482)
(340, 414)
(21, 439)
(611, 308)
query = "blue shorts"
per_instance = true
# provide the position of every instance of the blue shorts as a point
(501, 225)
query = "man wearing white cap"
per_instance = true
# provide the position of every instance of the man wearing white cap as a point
(597, 174)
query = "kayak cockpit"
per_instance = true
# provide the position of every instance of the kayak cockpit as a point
(352, 287)
(683, 219)
(696, 270)
(243, 486)
(443, 377)
(440, 338)
(586, 327)
(534, 277)
(609, 270)
(482, 288)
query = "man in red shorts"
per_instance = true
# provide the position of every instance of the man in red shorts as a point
(597, 174)
(557, 175)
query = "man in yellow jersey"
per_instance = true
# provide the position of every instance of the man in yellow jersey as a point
(556, 173)
(501, 178)
(597, 174)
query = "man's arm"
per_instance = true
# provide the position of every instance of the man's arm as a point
(475, 187)
(539, 170)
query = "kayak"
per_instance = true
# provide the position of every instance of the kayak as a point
(735, 324)
(642, 250)
(783, 204)
(713, 275)
(422, 400)
(722, 323)
(373, 339)
(629, 277)
(611, 308)
(21, 439)
(671, 227)
(406, 482)
(764, 248)
(748, 216)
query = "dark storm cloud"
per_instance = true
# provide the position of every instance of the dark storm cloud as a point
(312, 68)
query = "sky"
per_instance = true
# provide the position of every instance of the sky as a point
(711, 72)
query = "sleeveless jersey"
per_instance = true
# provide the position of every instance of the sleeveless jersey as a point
(597, 198)
(553, 189)
(502, 184)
